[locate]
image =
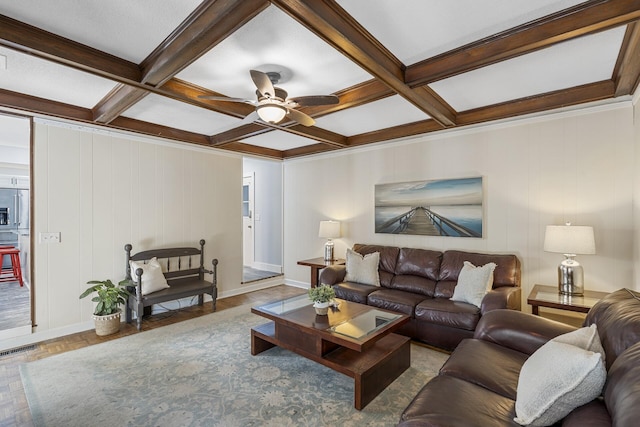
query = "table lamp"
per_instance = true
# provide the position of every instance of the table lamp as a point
(329, 230)
(570, 240)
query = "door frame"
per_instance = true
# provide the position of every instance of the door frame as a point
(249, 232)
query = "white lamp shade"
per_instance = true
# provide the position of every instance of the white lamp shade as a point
(329, 229)
(271, 113)
(569, 239)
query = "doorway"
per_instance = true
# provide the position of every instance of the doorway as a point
(16, 302)
(261, 219)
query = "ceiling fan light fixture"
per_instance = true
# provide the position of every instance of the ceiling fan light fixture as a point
(271, 113)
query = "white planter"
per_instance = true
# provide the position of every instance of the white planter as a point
(107, 325)
(322, 308)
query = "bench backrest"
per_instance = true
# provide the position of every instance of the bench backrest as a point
(175, 262)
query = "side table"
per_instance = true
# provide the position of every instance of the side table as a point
(548, 296)
(318, 264)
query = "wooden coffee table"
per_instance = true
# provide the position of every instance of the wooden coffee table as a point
(353, 339)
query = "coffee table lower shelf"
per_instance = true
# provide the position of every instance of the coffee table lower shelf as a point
(373, 369)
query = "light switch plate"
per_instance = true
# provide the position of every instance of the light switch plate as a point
(50, 237)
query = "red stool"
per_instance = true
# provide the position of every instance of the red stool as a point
(14, 273)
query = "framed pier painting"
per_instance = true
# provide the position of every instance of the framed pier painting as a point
(443, 207)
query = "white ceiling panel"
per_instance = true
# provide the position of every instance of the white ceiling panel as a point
(414, 30)
(273, 37)
(44, 79)
(123, 28)
(584, 60)
(387, 112)
(278, 140)
(167, 112)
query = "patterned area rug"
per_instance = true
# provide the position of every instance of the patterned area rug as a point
(201, 373)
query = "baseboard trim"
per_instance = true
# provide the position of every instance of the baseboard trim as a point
(274, 268)
(297, 284)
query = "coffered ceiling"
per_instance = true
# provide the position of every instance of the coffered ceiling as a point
(399, 68)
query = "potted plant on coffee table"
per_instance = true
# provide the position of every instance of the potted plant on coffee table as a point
(321, 296)
(110, 297)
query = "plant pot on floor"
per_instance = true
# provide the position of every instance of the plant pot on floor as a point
(108, 324)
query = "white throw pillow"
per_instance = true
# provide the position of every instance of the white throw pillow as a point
(555, 380)
(586, 338)
(152, 278)
(362, 269)
(473, 283)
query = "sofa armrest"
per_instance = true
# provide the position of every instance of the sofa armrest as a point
(503, 297)
(332, 274)
(518, 331)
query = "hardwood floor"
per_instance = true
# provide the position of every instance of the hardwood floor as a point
(14, 410)
(15, 305)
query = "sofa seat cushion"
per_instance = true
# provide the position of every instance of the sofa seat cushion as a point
(453, 402)
(355, 292)
(394, 300)
(445, 312)
(488, 365)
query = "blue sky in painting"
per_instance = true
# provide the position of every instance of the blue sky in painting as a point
(465, 191)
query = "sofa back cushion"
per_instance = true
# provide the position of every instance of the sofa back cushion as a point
(621, 392)
(388, 260)
(417, 271)
(507, 272)
(618, 319)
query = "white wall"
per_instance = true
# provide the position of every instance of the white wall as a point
(101, 190)
(572, 166)
(267, 211)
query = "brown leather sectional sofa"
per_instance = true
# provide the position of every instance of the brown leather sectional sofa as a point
(419, 283)
(478, 383)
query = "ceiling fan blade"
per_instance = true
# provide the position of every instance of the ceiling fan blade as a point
(307, 101)
(226, 99)
(250, 118)
(300, 117)
(263, 83)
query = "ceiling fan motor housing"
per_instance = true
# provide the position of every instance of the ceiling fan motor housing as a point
(280, 95)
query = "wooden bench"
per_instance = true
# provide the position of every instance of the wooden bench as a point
(183, 277)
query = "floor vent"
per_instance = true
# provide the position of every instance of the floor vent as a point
(18, 350)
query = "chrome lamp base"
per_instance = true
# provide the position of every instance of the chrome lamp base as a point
(328, 251)
(570, 277)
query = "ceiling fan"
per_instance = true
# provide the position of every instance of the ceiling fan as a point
(273, 104)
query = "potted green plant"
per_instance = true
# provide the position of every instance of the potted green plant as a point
(109, 297)
(321, 296)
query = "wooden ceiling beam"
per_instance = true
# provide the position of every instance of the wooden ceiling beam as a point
(34, 104)
(626, 74)
(208, 25)
(47, 107)
(535, 104)
(307, 150)
(240, 147)
(212, 22)
(395, 132)
(586, 18)
(33, 41)
(335, 26)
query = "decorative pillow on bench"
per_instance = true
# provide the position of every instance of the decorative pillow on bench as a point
(152, 278)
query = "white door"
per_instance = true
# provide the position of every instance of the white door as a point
(247, 221)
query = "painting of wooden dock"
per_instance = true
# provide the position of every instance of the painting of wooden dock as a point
(445, 207)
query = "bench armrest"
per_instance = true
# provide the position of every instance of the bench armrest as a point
(503, 297)
(332, 274)
(519, 331)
